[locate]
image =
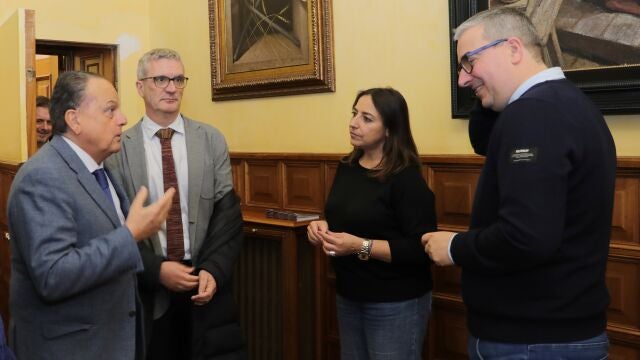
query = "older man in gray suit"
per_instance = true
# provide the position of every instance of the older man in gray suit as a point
(185, 286)
(74, 235)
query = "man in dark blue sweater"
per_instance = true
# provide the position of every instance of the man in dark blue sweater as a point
(533, 261)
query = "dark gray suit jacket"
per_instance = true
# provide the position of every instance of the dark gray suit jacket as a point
(73, 283)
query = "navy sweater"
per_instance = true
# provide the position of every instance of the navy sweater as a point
(398, 210)
(533, 262)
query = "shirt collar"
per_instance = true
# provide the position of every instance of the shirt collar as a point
(86, 159)
(554, 73)
(149, 127)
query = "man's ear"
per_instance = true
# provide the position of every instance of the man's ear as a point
(139, 88)
(73, 123)
(516, 48)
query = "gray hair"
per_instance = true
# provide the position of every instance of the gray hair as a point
(155, 54)
(68, 93)
(502, 23)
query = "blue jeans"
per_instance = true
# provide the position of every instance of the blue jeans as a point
(591, 349)
(383, 330)
(5, 352)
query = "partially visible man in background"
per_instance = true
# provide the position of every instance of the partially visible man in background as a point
(43, 120)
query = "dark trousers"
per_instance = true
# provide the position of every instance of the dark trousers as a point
(171, 333)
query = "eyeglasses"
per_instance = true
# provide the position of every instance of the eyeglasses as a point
(465, 62)
(162, 81)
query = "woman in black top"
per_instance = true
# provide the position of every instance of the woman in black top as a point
(378, 208)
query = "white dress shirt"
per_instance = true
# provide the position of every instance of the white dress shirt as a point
(153, 154)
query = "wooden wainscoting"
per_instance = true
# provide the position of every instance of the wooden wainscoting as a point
(623, 269)
(297, 182)
(275, 289)
(302, 181)
(287, 311)
(7, 173)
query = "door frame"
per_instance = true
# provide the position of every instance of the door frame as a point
(67, 51)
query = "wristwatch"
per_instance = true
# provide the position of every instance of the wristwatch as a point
(365, 250)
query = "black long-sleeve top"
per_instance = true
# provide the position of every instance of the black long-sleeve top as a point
(398, 210)
(533, 262)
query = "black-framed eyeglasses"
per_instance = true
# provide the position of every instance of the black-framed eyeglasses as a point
(465, 62)
(162, 81)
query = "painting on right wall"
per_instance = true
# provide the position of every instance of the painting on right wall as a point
(596, 42)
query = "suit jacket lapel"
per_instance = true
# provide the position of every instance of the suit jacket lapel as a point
(86, 179)
(134, 153)
(195, 158)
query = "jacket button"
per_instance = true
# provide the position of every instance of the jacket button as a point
(132, 313)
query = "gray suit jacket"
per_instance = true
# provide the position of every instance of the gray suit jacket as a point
(209, 180)
(73, 284)
(215, 235)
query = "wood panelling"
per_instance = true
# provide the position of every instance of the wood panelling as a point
(92, 63)
(263, 184)
(623, 275)
(329, 173)
(453, 180)
(446, 282)
(276, 289)
(259, 271)
(447, 331)
(322, 319)
(44, 85)
(98, 59)
(625, 224)
(5, 273)
(623, 352)
(454, 186)
(237, 170)
(297, 182)
(305, 286)
(302, 182)
(332, 339)
(46, 74)
(7, 174)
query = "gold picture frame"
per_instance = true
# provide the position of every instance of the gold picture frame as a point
(262, 48)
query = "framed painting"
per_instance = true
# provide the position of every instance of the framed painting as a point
(596, 43)
(263, 48)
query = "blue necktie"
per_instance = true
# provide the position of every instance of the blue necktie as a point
(101, 177)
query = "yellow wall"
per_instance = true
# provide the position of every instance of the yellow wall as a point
(12, 95)
(626, 133)
(123, 22)
(404, 44)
